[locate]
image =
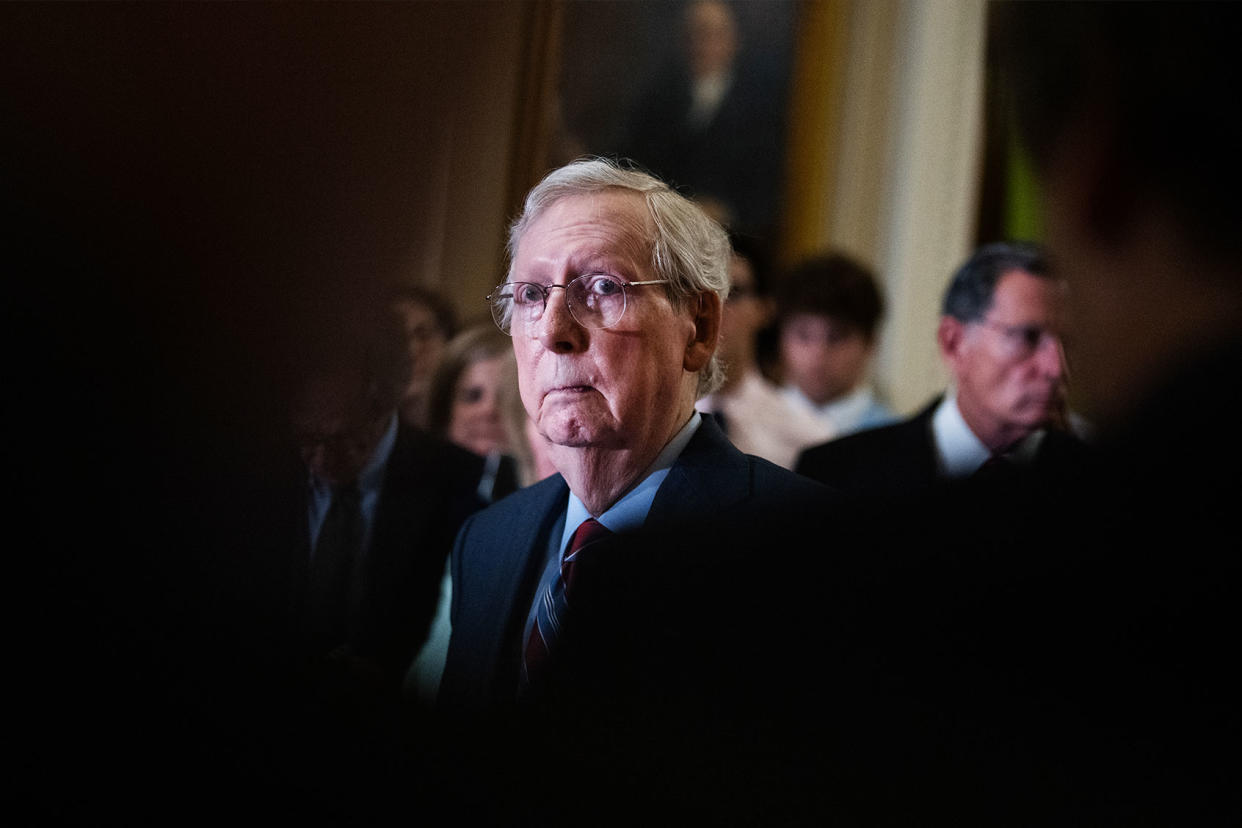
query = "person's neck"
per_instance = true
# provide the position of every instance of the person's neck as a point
(832, 398)
(602, 476)
(736, 371)
(996, 436)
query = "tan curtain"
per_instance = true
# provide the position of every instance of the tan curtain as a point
(885, 151)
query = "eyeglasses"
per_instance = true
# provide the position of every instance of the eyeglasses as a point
(1024, 340)
(595, 300)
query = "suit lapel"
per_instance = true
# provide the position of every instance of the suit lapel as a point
(918, 448)
(710, 475)
(516, 561)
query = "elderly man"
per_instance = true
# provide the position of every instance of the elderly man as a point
(614, 305)
(1142, 214)
(1000, 336)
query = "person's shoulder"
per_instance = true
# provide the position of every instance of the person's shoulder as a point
(771, 481)
(437, 454)
(530, 503)
(714, 475)
(883, 458)
(771, 410)
(863, 441)
(876, 415)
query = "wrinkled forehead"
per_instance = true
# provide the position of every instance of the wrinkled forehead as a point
(613, 222)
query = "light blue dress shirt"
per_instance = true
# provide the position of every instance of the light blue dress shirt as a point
(630, 512)
(626, 515)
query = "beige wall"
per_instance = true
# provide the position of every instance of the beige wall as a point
(898, 153)
(467, 201)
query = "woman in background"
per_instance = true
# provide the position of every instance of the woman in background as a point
(473, 401)
(429, 324)
(464, 404)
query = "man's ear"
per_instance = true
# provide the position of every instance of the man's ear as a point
(949, 335)
(703, 340)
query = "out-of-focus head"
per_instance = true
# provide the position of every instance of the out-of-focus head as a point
(1000, 337)
(429, 323)
(467, 390)
(829, 310)
(603, 360)
(349, 384)
(748, 307)
(1149, 81)
(1123, 107)
(711, 36)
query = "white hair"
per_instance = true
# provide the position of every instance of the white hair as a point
(688, 248)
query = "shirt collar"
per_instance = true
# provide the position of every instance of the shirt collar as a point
(959, 452)
(630, 512)
(371, 478)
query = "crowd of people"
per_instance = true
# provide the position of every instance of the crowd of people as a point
(748, 591)
(648, 545)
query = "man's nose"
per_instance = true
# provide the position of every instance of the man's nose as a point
(1051, 355)
(557, 330)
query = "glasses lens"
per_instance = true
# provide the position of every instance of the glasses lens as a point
(517, 304)
(597, 301)
(501, 300)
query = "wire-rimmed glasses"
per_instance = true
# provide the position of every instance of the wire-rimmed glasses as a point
(595, 300)
(1022, 340)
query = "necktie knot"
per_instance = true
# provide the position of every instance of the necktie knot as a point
(590, 531)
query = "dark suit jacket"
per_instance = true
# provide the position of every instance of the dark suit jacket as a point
(900, 459)
(665, 634)
(429, 489)
(500, 552)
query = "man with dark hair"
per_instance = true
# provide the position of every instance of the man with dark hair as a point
(1057, 651)
(429, 323)
(382, 503)
(748, 406)
(1000, 337)
(828, 315)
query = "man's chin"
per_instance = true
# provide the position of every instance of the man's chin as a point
(577, 435)
(1042, 419)
(574, 426)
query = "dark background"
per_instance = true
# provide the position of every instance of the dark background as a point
(191, 193)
